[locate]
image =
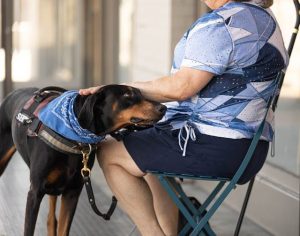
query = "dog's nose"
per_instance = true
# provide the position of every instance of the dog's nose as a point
(161, 108)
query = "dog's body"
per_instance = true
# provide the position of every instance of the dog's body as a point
(56, 173)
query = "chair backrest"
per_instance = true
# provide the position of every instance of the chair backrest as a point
(271, 103)
(273, 100)
(290, 49)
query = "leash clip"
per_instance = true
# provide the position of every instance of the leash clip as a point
(85, 171)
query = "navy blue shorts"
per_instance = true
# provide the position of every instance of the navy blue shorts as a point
(158, 150)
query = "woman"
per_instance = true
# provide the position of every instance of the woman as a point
(222, 75)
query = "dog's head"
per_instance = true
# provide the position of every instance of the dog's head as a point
(114, 107)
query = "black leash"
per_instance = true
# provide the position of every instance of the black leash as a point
(86, 173)
(89, 190)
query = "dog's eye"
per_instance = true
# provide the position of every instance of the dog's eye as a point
(127, 95)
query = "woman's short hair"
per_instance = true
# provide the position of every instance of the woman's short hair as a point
(262, 3)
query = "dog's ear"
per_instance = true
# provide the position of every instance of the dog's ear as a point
(90, 107)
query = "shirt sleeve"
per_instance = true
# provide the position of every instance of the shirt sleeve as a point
(208, 47)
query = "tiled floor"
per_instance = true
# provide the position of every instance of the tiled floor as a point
(13, 190)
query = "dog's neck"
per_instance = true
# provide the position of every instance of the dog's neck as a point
(79, 103)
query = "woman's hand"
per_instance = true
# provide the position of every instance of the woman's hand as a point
(89, 91)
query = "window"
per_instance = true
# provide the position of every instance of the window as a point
(47, 43)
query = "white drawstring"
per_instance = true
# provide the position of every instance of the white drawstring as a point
(190, 133)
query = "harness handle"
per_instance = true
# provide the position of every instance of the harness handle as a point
(51, 89)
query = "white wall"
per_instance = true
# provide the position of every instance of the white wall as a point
(157, 26)
(151, 39)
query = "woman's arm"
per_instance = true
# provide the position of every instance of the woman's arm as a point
(183, 84)
(178, 87)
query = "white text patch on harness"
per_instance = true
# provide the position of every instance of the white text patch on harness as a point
(23, 118)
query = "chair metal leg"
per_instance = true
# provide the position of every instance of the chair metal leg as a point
(244, 207)
(170, 185)
(184, 198)
(214, 207)
(176, 200)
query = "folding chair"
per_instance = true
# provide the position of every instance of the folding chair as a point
(197, 219)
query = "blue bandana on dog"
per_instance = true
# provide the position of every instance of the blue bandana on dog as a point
(59, 116)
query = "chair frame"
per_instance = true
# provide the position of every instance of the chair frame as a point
(197, 219)
(290, 50)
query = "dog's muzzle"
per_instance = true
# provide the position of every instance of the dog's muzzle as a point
(160, 111)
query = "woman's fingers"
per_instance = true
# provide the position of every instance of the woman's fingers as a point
(89, 91)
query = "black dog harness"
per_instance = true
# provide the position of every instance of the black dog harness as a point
(28, 116)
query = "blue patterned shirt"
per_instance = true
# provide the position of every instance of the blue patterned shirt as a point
(242, 45)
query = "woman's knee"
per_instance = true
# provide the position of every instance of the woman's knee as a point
(105, 153)
(112, 152)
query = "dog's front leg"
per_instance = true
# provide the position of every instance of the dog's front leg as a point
(52, 222)
(68, 206)
(34, 199)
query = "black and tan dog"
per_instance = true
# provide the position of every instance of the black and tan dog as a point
(55, 173)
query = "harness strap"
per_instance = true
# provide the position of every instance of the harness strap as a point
(38, 101)
(33, 127)
(37, 129)
(57, 142)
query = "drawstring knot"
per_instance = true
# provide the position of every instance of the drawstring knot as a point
(190, 134)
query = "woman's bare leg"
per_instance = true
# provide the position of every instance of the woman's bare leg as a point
(127, 183)
(165, 209)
